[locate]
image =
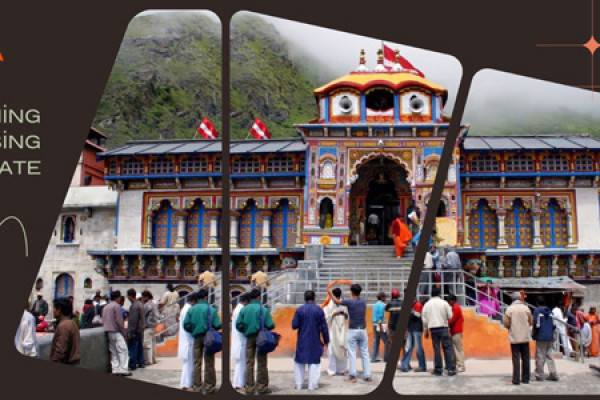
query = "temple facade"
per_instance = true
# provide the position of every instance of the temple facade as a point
(521, 206)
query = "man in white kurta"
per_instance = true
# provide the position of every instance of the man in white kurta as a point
(25, 339)
(238, 347)
(337, 350)
(185, 350)
(560, 322)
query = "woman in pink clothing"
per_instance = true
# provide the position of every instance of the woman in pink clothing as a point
(488, 300)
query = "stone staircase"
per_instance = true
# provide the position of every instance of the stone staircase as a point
(375, 268)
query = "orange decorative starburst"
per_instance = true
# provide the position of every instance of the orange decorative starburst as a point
(592, 45)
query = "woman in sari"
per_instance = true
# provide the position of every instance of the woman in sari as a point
(593, 320)
(488, 300)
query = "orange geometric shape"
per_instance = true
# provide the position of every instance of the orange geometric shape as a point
(592, 45)
(1, 58)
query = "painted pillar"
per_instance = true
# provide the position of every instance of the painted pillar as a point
(181, 222)
(501, 267)
(298, 230)
(467, 240)
(265, 264)
(571, 244)
(196, 262)
(266, 231)
(536, 266)
(177, 266)
(555, 265)
(572, 270)
(234, 231)
(148, 243)
(213, 241)
(537, 239)
(248, 267)
(518, 268)
(501, 234)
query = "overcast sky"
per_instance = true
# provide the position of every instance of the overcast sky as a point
(342, 51)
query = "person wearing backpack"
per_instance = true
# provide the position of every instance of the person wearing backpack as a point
(249, 322)
(196, 323)
(543, 334)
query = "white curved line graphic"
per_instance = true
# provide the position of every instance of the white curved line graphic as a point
(22, 228)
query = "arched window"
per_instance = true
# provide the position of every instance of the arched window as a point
(519, 226)
(484, 163)
(64, 286)
(519, 163)
(327, 170)
(280, 164)
(283, 224)
(246, 165)
(250, 226)
(198, 226)
(483, 226)
(555, 162)
(584, 163)
(162, 166)
(553, 225)
(133, 166)
(164, 232)
(68, 228)
(87, 283)
(194, 165)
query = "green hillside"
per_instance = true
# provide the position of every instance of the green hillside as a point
(166, 78)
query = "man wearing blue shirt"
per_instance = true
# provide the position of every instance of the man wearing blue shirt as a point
(379, 328)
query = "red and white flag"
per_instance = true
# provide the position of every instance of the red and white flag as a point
(389, 59)
(259, 130)
(207, 130)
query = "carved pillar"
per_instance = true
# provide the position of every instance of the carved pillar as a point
(108, 266)
(181, 223)
(148, 243)
(518, 267)
(536, 265)
(266, 230)
(196, 262)
(537, 238)
(213, 264)
(234, 231)
(555, 265)
(178, 266)
(501, 267)
(265, 264)
(142, 266)
(572, 244)
(125, 266)
(589, 270)
(213, 240)
(572, 270)
(501, 213)
(298, 229)
(231, 268)
(160, 263)
(467, 241)
(248, 266)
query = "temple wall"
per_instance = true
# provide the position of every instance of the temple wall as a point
(95, 232)
(130, 219)
(588, 218)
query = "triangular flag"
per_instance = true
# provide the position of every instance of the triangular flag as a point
(207, 130)
(259, 130)
(389, 59)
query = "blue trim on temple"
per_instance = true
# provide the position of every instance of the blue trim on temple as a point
(172, 176)
(434, 108)
(363, 108)
(525, 174)
(117, 214)
(326, 116)
(396, 107)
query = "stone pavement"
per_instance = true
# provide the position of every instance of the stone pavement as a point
(481, 377)
(494, 377)
(281, 375)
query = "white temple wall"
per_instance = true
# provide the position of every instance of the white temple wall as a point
(588, 218)
(131, 203)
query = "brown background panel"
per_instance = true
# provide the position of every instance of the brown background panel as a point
(58, 56)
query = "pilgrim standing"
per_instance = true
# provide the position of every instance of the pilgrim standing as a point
(238, 346)
(337, 350)
(185, 347)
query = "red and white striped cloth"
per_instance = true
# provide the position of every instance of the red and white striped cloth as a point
(259, 130)
(207, 130)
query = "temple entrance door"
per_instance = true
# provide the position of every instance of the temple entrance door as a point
(378, 195)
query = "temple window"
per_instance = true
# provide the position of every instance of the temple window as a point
(520, 163)
(484, 163)
(164, 226)
(161, 166)
(87, 283)
(68, 228)
(133, 167)
(302, 162)
(380, 100)
(327, 170)
(194, 165)
(112, 168)
(246, 165)
(217, 165)
(280, 164)
(64, 286)
(584, 163)
(555, 162)
(326, 213)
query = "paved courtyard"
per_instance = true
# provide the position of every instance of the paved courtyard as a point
(494, 377)
(481, 377)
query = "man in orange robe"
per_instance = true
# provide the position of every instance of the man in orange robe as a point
(401, 235)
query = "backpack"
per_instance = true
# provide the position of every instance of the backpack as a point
(266, 341)
(212, 338)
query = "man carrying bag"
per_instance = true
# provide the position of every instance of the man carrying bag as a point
(253, 319)
(201, 321)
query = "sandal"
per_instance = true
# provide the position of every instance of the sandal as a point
(369, 379)
(351, 379)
